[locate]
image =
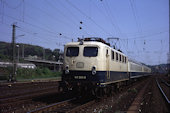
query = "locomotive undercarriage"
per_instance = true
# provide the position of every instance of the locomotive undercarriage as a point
(83, 89)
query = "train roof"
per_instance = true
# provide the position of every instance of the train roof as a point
(136, 62)
(92, 41)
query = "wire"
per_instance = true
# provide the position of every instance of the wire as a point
(146, 36)
(28, 32)
(23, 13)
(45, 41)
(13, 7)
(50, 15)
(2, 3)
(41, 28)
(111, 16)
(75, 16)
(135, 16)
(81, 12)
(51, 5)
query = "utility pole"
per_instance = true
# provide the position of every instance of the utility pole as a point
(13, 77)
(169, 52)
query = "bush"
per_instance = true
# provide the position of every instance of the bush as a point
(36, 73)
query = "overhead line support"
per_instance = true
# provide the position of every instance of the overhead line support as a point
(13, 77)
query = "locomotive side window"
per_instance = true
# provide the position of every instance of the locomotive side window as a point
(107, 52)
(72, 51)
(113, 55)
(125, 59)
(117, 56)
(90, 51)
(120, 58)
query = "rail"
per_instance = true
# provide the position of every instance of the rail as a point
(27, 96)
(165, 82)
(50, 107)
(64, 106)
(166, 98)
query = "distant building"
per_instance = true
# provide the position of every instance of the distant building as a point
(33, 57)
(52, 65)
(26, 65)
(19, 65)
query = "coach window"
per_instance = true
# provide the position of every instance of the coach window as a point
(113, 55)
(120, 58)
(117, 56)
(72, 51)
(90, 51)
(125, 59)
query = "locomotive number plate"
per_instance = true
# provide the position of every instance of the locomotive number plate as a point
(80, 77)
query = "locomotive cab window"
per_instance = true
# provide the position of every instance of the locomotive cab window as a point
(72, 51)
(90, 51)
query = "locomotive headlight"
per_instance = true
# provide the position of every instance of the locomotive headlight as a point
(67, 69)
(93, 70)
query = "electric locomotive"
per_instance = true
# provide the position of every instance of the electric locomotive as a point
(91, 63)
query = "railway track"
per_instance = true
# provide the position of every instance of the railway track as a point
(162, 80)
(16, 89)
(164, 89)
(17, 95)
(119, 101)
(146, 95)
(135, 106)
(22, 98)
(68, 106)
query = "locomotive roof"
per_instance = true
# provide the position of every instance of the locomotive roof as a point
(93, 43)
(86, 42)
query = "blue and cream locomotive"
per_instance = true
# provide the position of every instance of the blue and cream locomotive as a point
(91, 63)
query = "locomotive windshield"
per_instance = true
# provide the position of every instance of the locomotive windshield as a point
(72, 51)
(90, 51)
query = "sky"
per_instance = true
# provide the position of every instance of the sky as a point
(142, 26)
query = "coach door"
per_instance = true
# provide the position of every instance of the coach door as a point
(107, 64)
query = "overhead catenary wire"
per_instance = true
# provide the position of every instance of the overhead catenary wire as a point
(50, 15)
(23, 12)
(134, 11)
(26, 39)
(40, 36)
(66, 24)
(2, 11)
(33, 25)
(51, 32)
(84, 14)
(75, 16)
(35, 36)
(112, 17)
(37, 26)
(146, 36)
(13, 7)
(65, 16)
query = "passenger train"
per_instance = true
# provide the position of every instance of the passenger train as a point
(93, 64)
